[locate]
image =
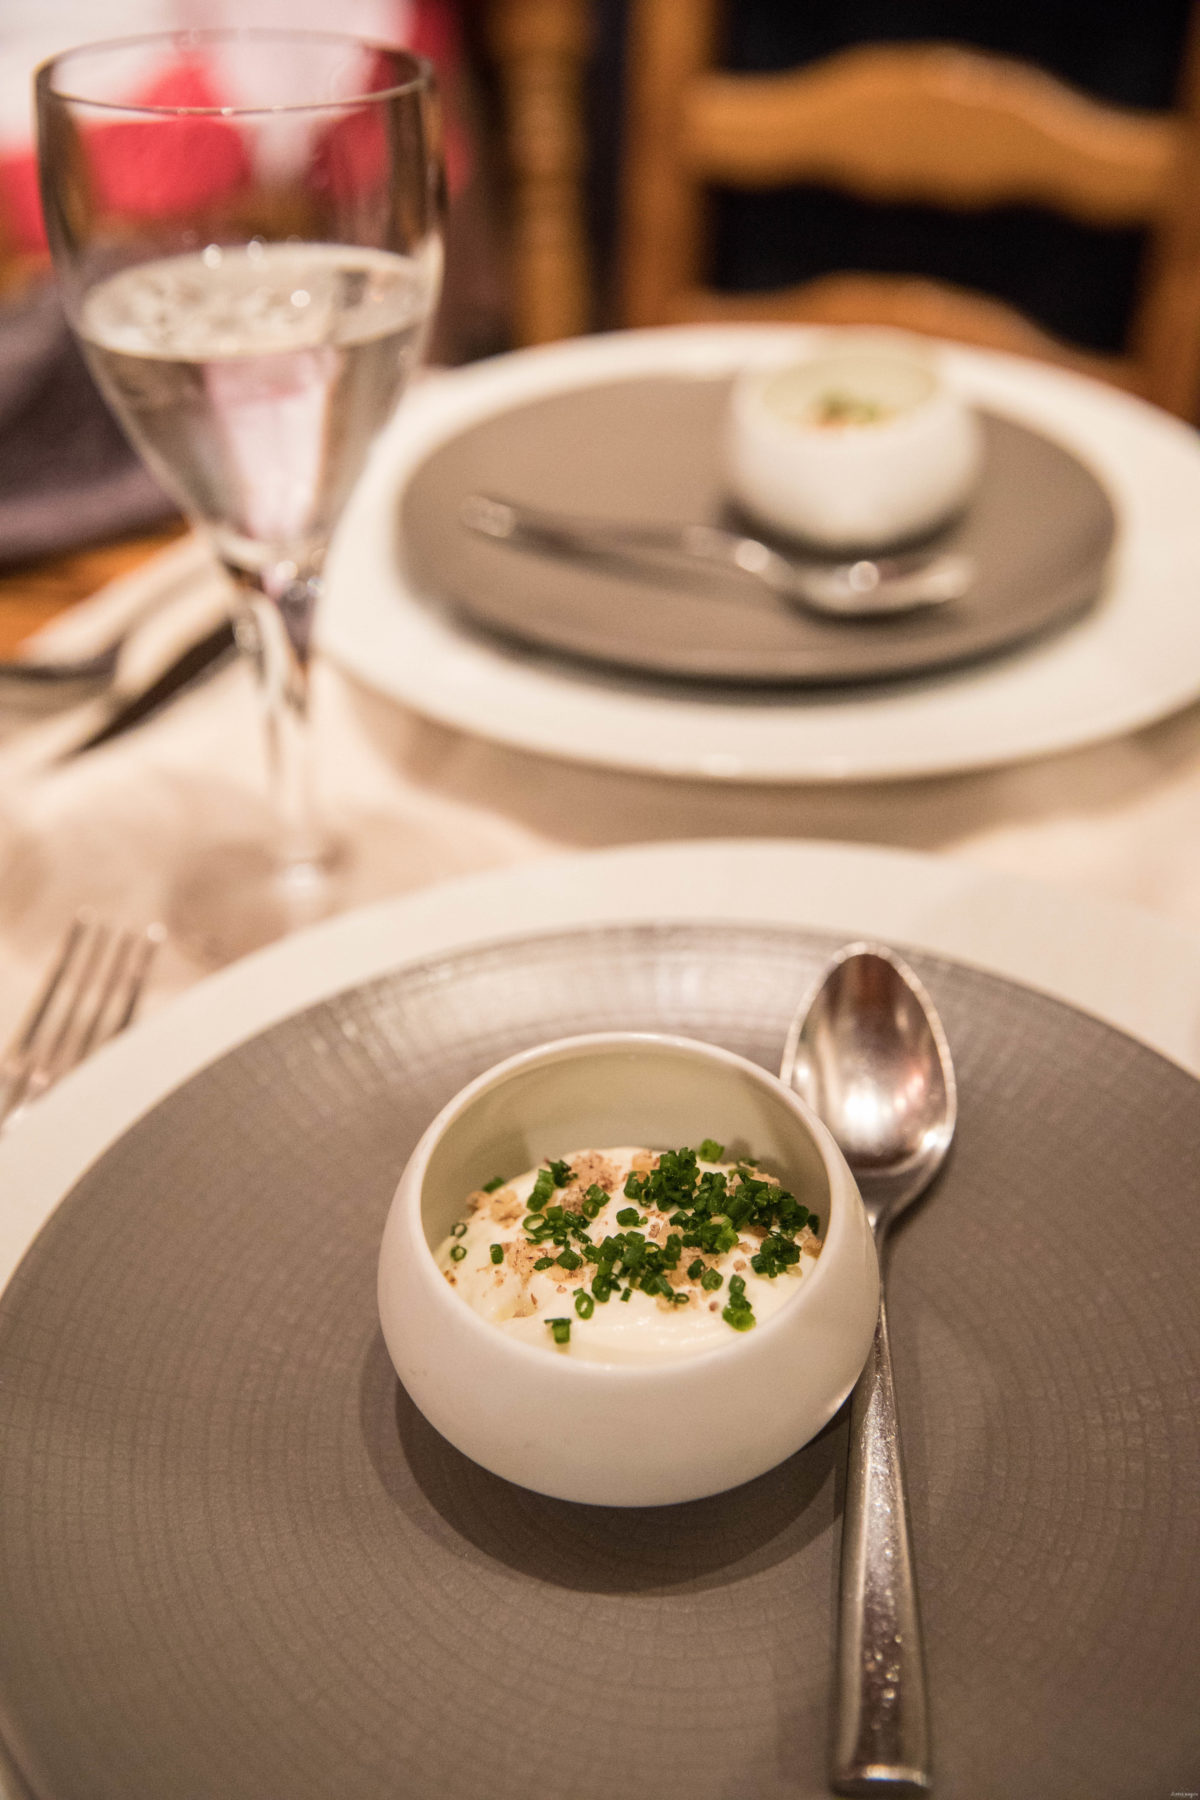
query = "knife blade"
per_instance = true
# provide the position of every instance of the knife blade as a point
(194, 664)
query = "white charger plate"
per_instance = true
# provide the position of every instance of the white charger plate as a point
(1135, 658)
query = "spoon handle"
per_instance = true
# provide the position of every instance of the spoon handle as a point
(881, 1734)
(844, 590)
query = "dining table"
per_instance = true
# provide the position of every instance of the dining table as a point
(1027, 820)
(1112, 820)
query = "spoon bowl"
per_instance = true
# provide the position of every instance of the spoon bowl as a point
(868, 1052)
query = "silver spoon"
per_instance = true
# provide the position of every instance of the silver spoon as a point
(868, 1053)
(862, 589)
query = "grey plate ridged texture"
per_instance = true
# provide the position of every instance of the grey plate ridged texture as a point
(1039, 525)
(235, 1562)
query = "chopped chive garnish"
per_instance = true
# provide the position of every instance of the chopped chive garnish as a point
(497, 1181)
(561, 1329)
(709, 1212)
(457, 1252)
(458, 1230)
(543, 1187)
(497, 1253)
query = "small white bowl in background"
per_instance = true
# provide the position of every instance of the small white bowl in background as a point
(858, 447)
(625, 1434)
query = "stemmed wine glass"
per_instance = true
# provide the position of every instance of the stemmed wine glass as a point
(245, 226)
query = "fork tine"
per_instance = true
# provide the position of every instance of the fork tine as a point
(61, 1054)
(146, 947)
(91, 1033)
(90, 994)
(19, 1055)
(30, 1026)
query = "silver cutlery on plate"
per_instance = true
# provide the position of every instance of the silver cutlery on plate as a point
(863, 589)
(868, 1052)
(90, 993)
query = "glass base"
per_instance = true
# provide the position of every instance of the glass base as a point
(193, 852)
(230, 899)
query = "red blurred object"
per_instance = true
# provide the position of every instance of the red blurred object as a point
(21, 204)
(351, 156)
(435, 33)
(150, 169)
(143, 169)
(202, 158)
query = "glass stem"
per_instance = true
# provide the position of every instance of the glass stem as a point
(274, 619)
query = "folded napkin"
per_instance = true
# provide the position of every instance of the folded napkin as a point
(67, 474)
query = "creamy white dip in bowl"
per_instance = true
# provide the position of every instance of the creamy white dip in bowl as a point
(859, 447)
(663, 1400)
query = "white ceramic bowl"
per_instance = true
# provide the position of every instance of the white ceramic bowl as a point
(857, 448)
(625, 1434)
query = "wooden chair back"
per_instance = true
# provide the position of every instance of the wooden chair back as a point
(931, 123)
(540, 49)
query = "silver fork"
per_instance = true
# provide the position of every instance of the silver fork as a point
(89, 995)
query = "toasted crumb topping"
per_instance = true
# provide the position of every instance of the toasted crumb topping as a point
(592, 1169)
(681, 1230)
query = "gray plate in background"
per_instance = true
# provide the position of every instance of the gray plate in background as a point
(236, 1564)
(1040, 526)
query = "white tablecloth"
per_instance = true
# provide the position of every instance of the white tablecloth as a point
(1120, 820)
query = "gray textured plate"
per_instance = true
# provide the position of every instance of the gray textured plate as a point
(235, 1563)
(1040, 527)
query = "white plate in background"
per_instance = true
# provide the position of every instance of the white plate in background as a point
(1135, 658)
